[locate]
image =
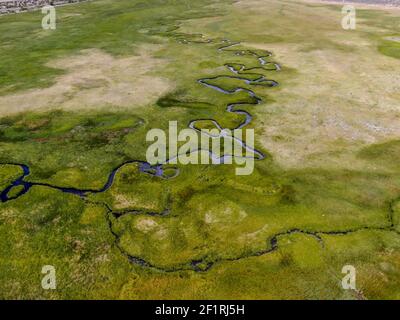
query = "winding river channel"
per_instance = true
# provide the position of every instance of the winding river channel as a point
(239, 72)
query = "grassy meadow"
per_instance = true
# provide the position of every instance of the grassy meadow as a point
(77, 102)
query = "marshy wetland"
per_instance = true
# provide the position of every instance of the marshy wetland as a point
(77, 193)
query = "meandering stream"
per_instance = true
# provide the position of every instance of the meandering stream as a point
(158, 170)
(239, 72)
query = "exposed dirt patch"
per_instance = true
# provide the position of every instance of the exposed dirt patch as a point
(146, 224)
(95, 80)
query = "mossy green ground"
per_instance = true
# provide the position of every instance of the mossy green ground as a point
(8, 173)
(213, 214)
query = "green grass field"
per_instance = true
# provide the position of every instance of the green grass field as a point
(77, 102)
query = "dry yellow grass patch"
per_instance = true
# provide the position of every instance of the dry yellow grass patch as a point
(127, 201)
(93, 80)
(337, 102)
